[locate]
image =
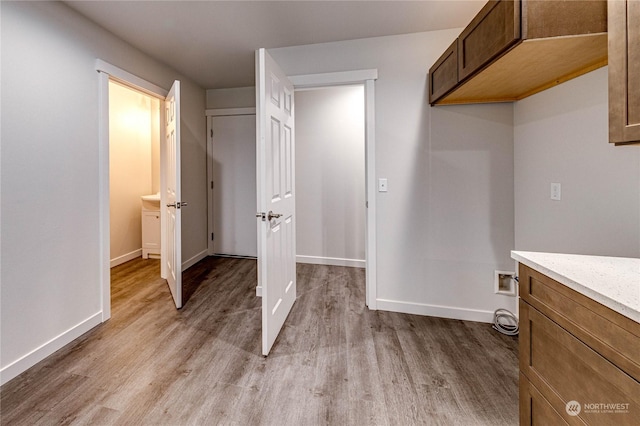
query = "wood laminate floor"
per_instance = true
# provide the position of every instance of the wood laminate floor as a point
(335, 361)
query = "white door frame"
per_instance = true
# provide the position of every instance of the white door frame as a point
(367, 79)
(108, 72)
(210, 113)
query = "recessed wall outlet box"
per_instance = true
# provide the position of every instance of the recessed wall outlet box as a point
(505, 283)
(382, 185)
(556, 191)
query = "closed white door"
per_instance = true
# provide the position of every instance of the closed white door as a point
(276, 196)
(234, 191)
(171, 194)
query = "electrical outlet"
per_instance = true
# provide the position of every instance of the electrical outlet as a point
(556, 191)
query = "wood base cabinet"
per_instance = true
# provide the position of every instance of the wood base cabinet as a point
(579, 360)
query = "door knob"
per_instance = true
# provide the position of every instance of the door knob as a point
(268, 216)
(272, 215)
(178, 204)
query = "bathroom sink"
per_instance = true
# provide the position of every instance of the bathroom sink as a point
(153, 197)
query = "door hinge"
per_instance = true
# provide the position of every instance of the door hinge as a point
(211, 184)
(212, 236)
(211, 132)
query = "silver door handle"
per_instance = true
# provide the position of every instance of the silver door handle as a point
(178, 204)
(272, 215)
(268, 216)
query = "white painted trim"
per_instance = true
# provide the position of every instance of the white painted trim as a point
(235, 256)
(451, 312)
(334, 261)
(223, 112)
(103, 190)
(259, 291)
(195, 259)
(125, 258)
(371, 255)
(210, 195)
(333, 78)
(131, 80)
(35, 356)
(367, 78)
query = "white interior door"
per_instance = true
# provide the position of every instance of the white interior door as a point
(171, 200)
(276, 196)
(234, 193)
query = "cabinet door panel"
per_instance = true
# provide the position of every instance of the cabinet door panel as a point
(492, 31)
(443, 75)
(624, 71)
(564, 369)
(534, 408)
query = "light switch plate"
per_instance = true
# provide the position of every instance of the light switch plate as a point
(382, 185)
(556, 191)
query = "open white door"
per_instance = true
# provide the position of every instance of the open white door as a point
(276, 196)
(171, 194)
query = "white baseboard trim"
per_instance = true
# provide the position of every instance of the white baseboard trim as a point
(126, 257)
(195, 259)
(450, 312)
(334, 261)
(258, 291)
(32, 358)
(235, 256)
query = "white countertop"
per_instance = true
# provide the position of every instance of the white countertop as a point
(612, 281)
(152, 197)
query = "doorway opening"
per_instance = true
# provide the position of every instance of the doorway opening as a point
(134, 174)
(330, 175)
(153, 113)
(231, 150)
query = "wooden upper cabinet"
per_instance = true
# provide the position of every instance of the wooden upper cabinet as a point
(494, 29)
(444, 74)
(513, 49)
(624, 71)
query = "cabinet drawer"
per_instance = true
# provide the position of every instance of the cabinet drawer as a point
(534, 408)
(494, 30)
(443, 75)
(564, 369)
(614, 336)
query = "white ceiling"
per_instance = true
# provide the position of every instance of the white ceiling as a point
(213, 42)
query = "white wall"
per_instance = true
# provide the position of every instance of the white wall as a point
(561, 135)
(330, 172)
(132, 141)
(447, 221)
(50, 169)
(236, 97)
